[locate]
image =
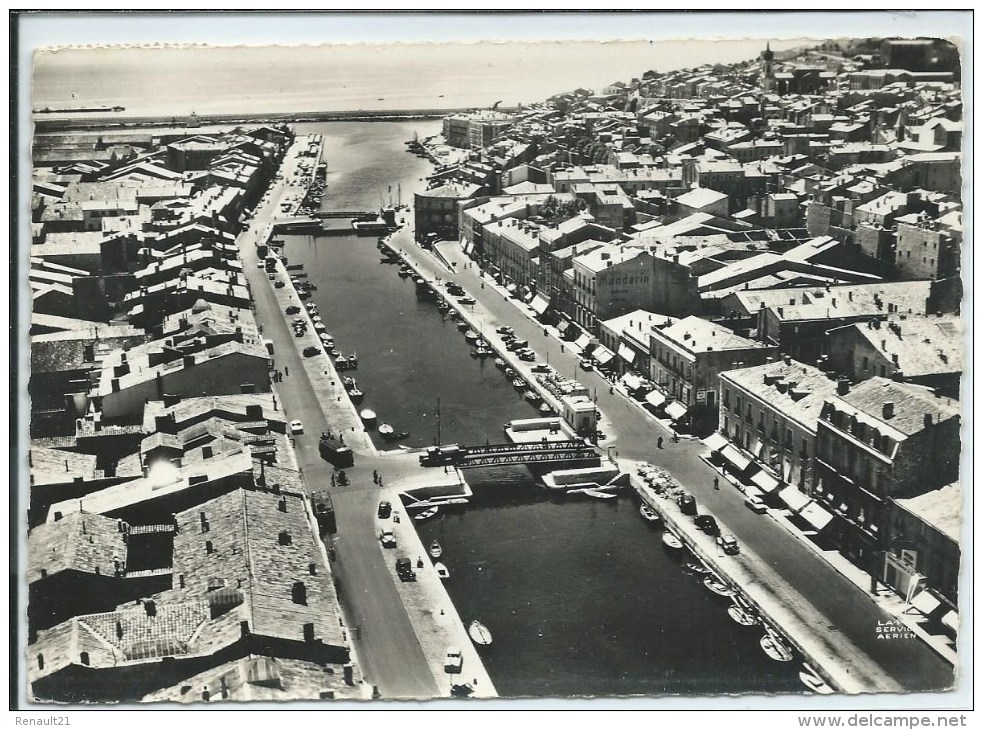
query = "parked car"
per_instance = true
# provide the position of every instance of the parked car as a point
(708, 524)
(453, 661)
(541, 368)
(586, 364)
(687, 504)
(388, 539)
(504, 330)
(385, 509)
(293, 309)
(527, 355)
(404, 569)
(310, 350)
(296, 427)
(728, 543)
(756, 505)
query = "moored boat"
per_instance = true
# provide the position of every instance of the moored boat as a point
(648, 514)
(811, 679)
(599, 494)
(533, 397)
(479, 633)
(545, 409)
(500, 363)
(775, 647)
(471, 336)
(435, 550)
(368, 416)
(718, 586)
(671, 541)
(463, 326)
(442, 572)
(741, 615)
(387, 432)
(356, 395)
(518, 383)
(426, 514)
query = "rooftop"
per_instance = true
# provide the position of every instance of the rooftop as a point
(912, 404)
(81, 542)
(840, 301)
(792, 388)
(941, 508)
(699, 335)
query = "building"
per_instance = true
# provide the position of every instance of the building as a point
(686, 358)
(878, 442)
(770, 412)
(926, 351)
(512, 245)
(435, 211)
(929, 248)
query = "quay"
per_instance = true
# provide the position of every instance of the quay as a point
(815, 594)
(399, 642)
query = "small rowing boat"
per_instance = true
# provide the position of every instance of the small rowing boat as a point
(648, 514)
(741, 615)
(435, 550)
(599, 494)
(442, 572)
(811, 679)
(718, 586)
(426, 514)
(671, 541)
(479, 633)
(775, 647)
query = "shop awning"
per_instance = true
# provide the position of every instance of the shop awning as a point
(925, 602)
(951, 619)
(626, 353)
(816, 515)
(510, 288)
(468, 247)
(563, 325)
(603, 355)
(540, 304)
(676, 410)
(765, 481)
(795, 499)
(527, 297)
(632, 381)
(655, 399)
(735, 457)
(583, 341)
(715, 441)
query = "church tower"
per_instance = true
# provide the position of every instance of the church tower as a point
(768, 68)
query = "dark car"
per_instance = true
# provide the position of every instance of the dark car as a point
(728, 543)
(311, 351)
(293, 309)
(687, 504)
(385, 509)
(404, 569)
(708, 524)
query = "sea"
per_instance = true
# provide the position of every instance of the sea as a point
(580, 595)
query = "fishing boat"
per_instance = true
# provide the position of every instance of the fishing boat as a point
(356, 395)
(368, 416)
(545, 409)
(510, 373)
(532, 397)
(671, 541)
(811, 679)
(442, 572)
(718, 586)
(695, 567)
(500, 363)
(599, 494)
(518, 383)
(387, 432)
(353, 361)
(404, 272)
(341, 362)
(349, 383)
(471, 336)
(775, 647)
(648, 514)
(463, 326)
(426, 514)
(741, 615)
(479, 633)
(435, 550)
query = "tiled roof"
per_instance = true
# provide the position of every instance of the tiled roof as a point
(54, 466)
(911, 405)
(699, 335)
(82, 542)
(795, 389)
(921, 345)
(941, 508)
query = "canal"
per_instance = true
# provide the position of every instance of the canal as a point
(580, 595)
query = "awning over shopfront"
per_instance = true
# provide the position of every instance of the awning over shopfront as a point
(583, 341)
(632, 381)
(603, 355)
(925, 602)
(468, 247)
(510, 288)
(540, 304)
(563, 325)
(951, 619)
(735, 457)
(626, 353)
(676, 410)
(715, 441)
(795, 499)
(527, 297)
(765, 481)
(655, 399)
(816, 515)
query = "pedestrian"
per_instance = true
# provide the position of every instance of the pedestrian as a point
(286, 370)
(716, 482)
(375, 477)
(380, 480)
(659, 442)
(332, 480)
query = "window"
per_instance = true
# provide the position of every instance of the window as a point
(804, 449)
(866, 364)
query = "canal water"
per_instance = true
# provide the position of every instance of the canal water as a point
(579, 594)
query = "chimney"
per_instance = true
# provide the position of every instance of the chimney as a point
(928, 420)
(888, 410)
(842, 386)
(787, 359)
(115, 385)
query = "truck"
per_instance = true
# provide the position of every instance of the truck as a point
(442, 455)
(335, 452)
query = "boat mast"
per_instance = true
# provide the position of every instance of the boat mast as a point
(438, 422)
